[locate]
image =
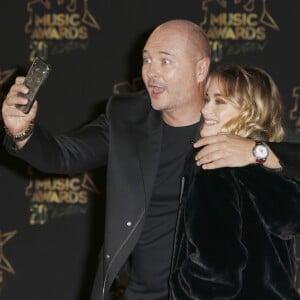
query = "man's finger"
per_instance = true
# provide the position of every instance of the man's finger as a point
(209, 149)
(211, 157)
(209, 140)
(20, 80)
(214, 165)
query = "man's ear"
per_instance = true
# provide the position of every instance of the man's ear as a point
(202, 69)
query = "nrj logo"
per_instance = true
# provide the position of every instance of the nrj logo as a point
(60, 26)
(295, 111)
(236, 26)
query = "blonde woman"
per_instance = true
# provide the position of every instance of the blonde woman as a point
(236, 226)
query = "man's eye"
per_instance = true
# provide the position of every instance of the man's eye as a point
(165, 61)
(146, 60)
(206, 100)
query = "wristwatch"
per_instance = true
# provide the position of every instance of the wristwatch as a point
(260, 152)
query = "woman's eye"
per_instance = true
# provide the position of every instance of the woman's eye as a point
(206, 100)
(220, 101)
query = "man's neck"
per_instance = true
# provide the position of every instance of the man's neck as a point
(181, 119)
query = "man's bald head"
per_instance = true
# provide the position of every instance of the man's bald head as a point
(191, 34)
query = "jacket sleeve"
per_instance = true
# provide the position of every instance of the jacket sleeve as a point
(289, 157)
(214, 255)
(71, 153)
(276, 197)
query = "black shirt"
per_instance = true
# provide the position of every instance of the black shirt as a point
(151, 258)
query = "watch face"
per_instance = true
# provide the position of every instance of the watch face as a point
(260, 151)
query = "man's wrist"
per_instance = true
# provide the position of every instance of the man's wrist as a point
(273, 162)
(19, 137)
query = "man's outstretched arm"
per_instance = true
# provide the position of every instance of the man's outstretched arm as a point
(228, 150)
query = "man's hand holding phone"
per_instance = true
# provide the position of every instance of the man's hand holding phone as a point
(19, 107)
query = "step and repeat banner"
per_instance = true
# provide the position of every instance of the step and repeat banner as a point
(51, 226)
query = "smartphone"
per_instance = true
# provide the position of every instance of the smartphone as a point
(36, 76)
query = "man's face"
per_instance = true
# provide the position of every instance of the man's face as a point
(217, 110)
(169, 72)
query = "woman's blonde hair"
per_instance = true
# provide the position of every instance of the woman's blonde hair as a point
(254, 93)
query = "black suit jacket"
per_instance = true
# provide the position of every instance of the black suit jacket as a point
(127, 138)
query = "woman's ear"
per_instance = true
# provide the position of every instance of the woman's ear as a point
(202, 69)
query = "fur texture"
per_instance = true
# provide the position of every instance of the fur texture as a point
(235, 235)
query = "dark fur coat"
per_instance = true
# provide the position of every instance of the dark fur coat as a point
(235, 235)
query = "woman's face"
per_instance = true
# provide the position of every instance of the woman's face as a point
(217, 110)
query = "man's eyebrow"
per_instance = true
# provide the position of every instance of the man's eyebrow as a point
(166, 53)
(145, 51)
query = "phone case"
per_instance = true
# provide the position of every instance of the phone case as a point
(36, 76)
